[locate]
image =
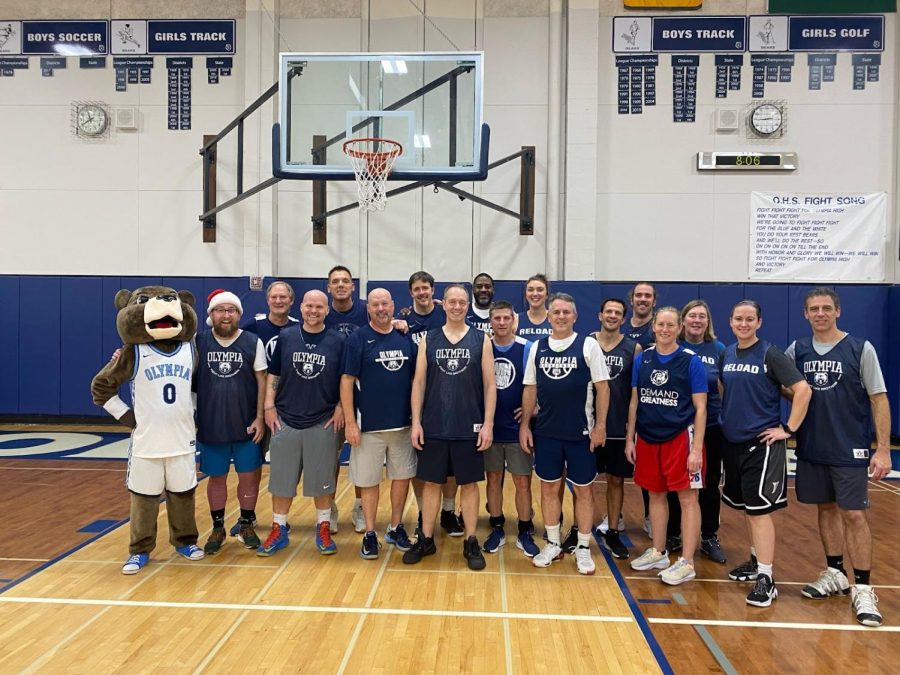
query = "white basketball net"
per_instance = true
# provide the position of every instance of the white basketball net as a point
(372, 160)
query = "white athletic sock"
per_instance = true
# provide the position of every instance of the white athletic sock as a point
(584, 539)
(765, 569)
(323, 515)
(280, 518)
(357, 502)
(553, 534)
(448, 503)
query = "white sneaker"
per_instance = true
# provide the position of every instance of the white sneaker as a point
(358, 519)
(650, 559)
(549, 554)
(584, 561)
(604, 524)
(648, 528)
(830, 582)
(865, 604)
(333, 523)
(678, 573)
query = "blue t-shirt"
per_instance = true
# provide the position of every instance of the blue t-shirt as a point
(709, 353)
(419, 324)
(665, 385)
(226, 388)
(532, 331)
(383, 365)
(309, 368)
(643, 335)
(509, 368)
(347, 322)
(267, 331)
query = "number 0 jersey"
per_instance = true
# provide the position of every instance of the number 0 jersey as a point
(161, 391)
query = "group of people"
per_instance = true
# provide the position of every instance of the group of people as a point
(443, 395)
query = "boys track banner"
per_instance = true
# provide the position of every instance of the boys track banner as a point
(817, 237)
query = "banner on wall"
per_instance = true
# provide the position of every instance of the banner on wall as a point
(663, 4)
(817, 237)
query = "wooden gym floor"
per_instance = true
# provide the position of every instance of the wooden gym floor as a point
(65, 606)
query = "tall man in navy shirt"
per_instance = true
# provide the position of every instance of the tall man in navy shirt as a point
(566, 376)
(453, 402)
(230, 382)
(280, 299)
(304, 413)
(425, 314)
(345, 314)
(378, 367)
(834, 457)
(482, 297)
(510, 355)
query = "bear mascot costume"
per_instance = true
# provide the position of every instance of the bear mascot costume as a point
(156, 324)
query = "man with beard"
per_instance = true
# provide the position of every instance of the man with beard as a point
(230, 383)
(482, 296)
(425, 313)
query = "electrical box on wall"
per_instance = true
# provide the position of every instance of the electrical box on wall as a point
(126, 118)
(728, 119)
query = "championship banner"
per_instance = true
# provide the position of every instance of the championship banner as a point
(817, 237)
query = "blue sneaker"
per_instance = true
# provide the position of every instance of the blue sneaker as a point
(495, 540)
(236, 528)
(525, 543)
(191, 552)
(135, 563)
(277, 540)
(370, 546)
(324, 542)
(398, 538)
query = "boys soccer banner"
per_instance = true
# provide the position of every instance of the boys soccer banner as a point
(817, 237)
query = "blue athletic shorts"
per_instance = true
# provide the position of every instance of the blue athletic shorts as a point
(553, 456)
(215, 458)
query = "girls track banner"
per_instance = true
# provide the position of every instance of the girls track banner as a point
(817, 237)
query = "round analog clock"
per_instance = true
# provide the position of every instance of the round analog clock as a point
(766, 119)
(92, 120)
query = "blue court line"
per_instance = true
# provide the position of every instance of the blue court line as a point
(639, 617)
(654, 601)
(710, 642)
(2, 580)
(98, 526)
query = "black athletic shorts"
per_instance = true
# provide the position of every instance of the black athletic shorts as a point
(441, 458)
(755, 476)
(824, 484)
(611, 459)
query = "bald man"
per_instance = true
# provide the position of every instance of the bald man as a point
(303, 412)
(379, 363)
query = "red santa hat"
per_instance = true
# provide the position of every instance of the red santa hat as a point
(221, 297)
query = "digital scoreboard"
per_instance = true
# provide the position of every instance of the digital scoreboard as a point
(746, 161)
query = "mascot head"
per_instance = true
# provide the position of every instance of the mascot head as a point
(154, 313)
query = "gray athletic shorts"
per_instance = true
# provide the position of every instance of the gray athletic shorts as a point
(367, 461)
(509, 456)
(824, 484)
(311, 453)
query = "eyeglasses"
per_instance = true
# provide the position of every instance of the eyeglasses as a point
(225, 310)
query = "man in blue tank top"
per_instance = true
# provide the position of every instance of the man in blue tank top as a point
(453, 402)
(834, 457)
(510, 355)
(566, 376)
(378, 369)
(230, 382)
(304, 414)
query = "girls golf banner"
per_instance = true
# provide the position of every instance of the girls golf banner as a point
(817, 237)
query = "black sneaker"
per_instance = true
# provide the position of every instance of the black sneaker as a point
(418, 530)
(673, 544)
(615, 545)
(451, 524)
(712, 549)
(472, 553)
(370, 546)
(746, 571)
(215, 542)
(763, 593)
(571, 541)
(423, 546)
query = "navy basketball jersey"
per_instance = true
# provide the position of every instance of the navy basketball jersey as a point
(509, 368)
(419, 324)
(454, 389)
(480, 319)
(665, 391)
(532, 331)
(709, 353)
(565, 392)
(643, 335)
(349, 321)
(309, 368)
(226, 388)
(838, 426)
(752, 400)
(383, 365)
(268, 332)
(619, 362)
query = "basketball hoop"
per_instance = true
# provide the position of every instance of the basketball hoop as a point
(372, 160)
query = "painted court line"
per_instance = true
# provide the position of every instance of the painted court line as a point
(53, 468)
(737, 583)
(504, 607)
(710, 642)
(174, 563)
(774, 624)
(536, 573)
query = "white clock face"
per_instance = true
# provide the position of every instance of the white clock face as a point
(766, 119)
(92, 120)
